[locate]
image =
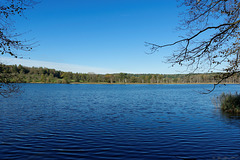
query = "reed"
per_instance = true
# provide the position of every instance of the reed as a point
(230, 103)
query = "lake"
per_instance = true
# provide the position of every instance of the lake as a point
(83, 121)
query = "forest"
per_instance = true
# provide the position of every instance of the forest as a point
(22, 74)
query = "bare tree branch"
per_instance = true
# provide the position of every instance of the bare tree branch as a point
(213, 36)
(11, 43)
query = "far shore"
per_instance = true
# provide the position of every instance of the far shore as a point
(128, 83)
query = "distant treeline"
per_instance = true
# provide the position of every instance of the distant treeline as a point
(21, 74)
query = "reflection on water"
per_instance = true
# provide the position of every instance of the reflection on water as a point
(231, 118)
(57, 121)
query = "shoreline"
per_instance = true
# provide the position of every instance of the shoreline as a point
(130, 83)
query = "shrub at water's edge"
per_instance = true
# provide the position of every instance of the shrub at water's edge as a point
(230, 103)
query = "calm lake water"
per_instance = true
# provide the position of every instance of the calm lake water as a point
(59, 121)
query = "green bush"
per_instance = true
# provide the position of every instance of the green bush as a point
(230, 103)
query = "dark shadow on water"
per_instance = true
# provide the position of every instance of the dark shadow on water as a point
(231, 118)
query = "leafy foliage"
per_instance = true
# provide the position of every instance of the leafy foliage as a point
(21, 74)
(6, 85)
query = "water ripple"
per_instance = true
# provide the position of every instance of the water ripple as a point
(50, 121)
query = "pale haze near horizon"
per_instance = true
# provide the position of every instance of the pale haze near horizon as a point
(99, 36)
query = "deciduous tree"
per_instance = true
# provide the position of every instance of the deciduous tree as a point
(212, 37)
(10, 41)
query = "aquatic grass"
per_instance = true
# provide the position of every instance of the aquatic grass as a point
(230, 103)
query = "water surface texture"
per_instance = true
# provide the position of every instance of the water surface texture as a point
(59, 121)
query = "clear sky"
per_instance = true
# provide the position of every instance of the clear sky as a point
(104, 36)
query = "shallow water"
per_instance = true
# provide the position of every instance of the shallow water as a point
(59, 121)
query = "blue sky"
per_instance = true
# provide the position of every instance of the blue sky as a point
(106, 35)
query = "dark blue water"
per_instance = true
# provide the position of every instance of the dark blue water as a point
(58, 121)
